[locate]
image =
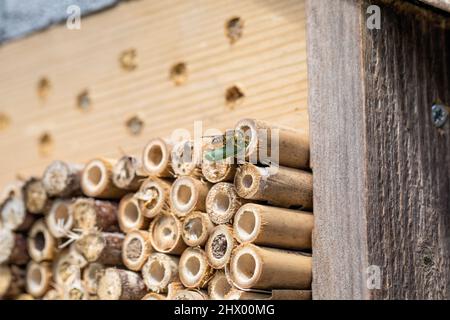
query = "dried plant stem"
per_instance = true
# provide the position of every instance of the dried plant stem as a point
(220, 246)
(102, 247)
(35, 197)
(38, 278)
(90, 214)
(13, 248)
(268, 268)
(96, 180)
(130, 215)
(59, 220)
(197, 226)
(273, 227)
(188, 194)
(284, 187)
(159, 271)
(222, 202)
(219, 286)
(128, 173)
(165, 234)
(91, 277)
(194, 269)
(136, 249)
(14, 216)
(41, 244)
(62, 179)
(117, 284)
(153, 196)
(156, 158)
(154, 296)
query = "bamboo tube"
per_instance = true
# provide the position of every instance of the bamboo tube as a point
(76, 291)
(101, 247)
(154, 296)
(96, 180)
(236, 294)
(90, 214)
(156, 158)
(159, 271)
(130, 216)
(117, 284)
(197, 226)
(185, 159)
(67, 258)
(62, 179)
(190, 295)
(41, 244)
(268, 268)
(136, 249)
(14, 215)
(173, 288)
(220, 246)
(12, 281)
(165, 234)
(283, 187)
(219, 286)
(91, 277)
(273, 227)
(35, 197)
(53, 294)
(188, 194)
(194, 269)
(218, 171)
(24, 296)
(222, 202)
(292, 149)
(153, 196)
(128, 173)
(59, 220)
(38, 278)
(13, 248)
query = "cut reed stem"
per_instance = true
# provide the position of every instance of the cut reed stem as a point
(159, 271)
(188, 194)
(197, 226)
(222, 202)
(62, 179)
(90, 214)
(220, 246)
(153, 196)
(136, 249)
(156, 158)
(117, 284)
(128, 173)
(194, 269)
(130, 215)
(41, 244)
(38, 278)
(59, 220)
(165, 234)
(102, 247)
(35, 197)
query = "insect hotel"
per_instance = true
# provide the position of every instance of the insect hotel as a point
(237, 150)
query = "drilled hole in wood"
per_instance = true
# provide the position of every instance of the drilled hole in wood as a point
(178, 73)
(234, 96)
(234, 28)
(128, 59)
(4, 121)
(45, 144)
(83, 100)
(43, 88)
(134, 125)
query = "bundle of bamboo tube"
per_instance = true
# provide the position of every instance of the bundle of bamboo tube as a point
(165, 225)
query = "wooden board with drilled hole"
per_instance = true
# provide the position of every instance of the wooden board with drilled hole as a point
(65, 94)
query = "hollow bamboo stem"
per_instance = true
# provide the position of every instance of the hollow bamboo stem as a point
(154, 296)
(292, 149)
(153, 196)
(159, 271)
(38, 278)
(41, 244)
(273, 227)
(13, 248)
(102, 247)
(130, 216)
(194, 269)
(14, 216)
(61, 267)
(219, 286)
(197, 226)
(12, 281)
(185, 159)
(62, 179)
(283, 187)
(190, 294)
(128, 173)
(136, 249)
(218, 171)
(222, 202)
(220, 246)
(90, 214)
(156, 158)
(35, 197)
(59, 220)
(117, 284)
(91, 277)
(96, 180)
(165, 234)
(188, 194)
(268, 268)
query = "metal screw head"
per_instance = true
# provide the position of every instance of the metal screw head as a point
(439, 115)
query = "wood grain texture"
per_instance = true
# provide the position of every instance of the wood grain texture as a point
(407, 67)
(381, 169)
(268, 63)
(337, 148)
